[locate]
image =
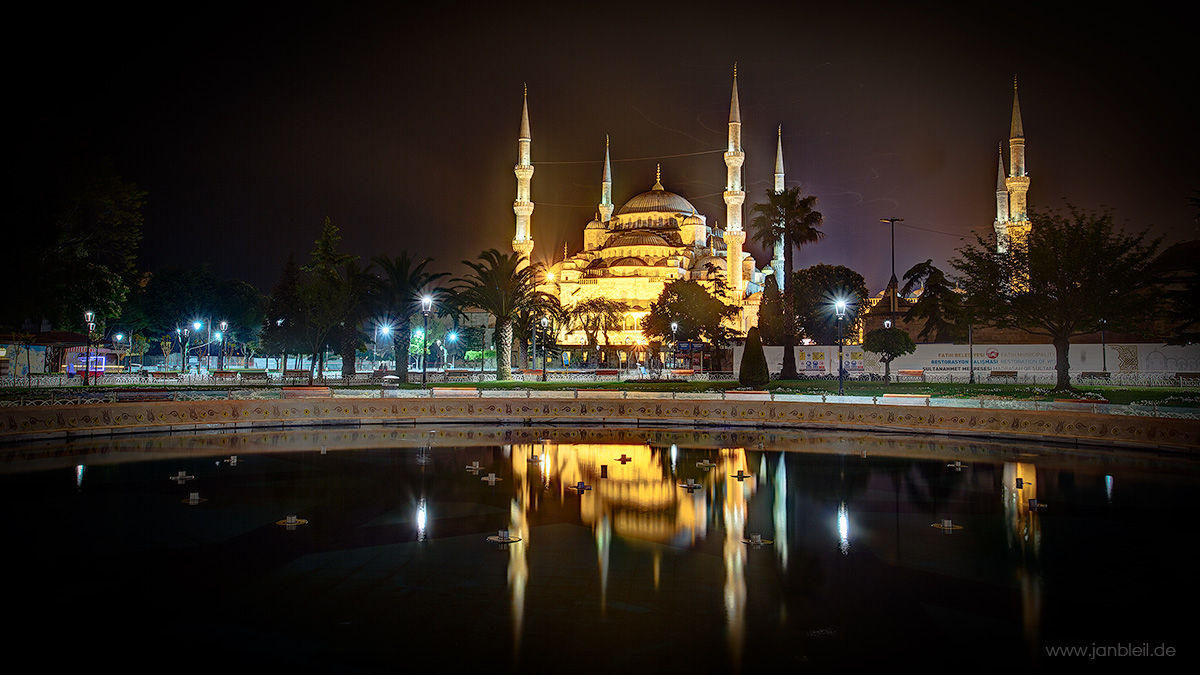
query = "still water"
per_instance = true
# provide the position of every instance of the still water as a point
(648, 551)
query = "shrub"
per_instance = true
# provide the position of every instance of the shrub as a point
(754, 362)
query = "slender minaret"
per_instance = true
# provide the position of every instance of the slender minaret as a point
(523, 206)
(777, 259)
(1018, 181)
(606, 205)
(734, 196)
(1001, 224)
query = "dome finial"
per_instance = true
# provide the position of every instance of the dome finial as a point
(658, 177)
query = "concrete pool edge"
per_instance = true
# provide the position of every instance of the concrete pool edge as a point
(22, 424)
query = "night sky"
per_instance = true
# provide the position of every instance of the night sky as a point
(249, 127)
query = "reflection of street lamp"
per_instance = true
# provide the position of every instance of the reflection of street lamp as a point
(545, 349)
(426, 307)
(840, 306)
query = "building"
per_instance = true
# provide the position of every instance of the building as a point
(630, 253)
(1012, 213)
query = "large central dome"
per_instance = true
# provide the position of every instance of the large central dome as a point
(657, 200)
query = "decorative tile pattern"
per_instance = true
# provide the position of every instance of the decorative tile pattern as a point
(104, 418)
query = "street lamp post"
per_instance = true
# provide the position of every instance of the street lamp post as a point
(221, 351)
(545, 350)
(426, 307)
(451, 338)
(893, 283)
(89, 319)
(674, 345)
(1103, 346)
(533, 356)
(841, 314)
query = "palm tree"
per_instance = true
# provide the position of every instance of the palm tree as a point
(403, 283)
(787, 215)
(503, 285)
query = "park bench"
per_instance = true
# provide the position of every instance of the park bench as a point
(913, 374)
(307, 392)
(293, 376)
(1188, 379)
(1096, 375)
(255, 376)
(920, 396)
(142, 395)
(164, 375)
(224, 375)
(682, 372)
(455, 391)
(746, 394)
(610, 372)
(1003, 375)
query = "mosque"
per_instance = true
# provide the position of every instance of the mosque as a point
(630, 254)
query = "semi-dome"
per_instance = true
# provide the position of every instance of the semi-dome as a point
(637, 238)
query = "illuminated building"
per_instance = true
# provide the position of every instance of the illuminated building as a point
(629, 254)
(1012, 213)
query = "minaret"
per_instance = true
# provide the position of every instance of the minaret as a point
(1018, 181)
(606, 205)
(523, 206)
(777, 258)
(734, 196)
(1001, 223)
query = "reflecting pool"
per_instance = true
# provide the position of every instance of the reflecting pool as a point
(593, 550)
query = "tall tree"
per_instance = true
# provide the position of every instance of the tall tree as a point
(790, 216)
(1074, 274)
(939, 305)
(596, 317)
(403, 282)
(770, 314)
(325, 257)
(360, 304)
(76, 246)
(699, 314)
(817, 289)
(503, 285)
(282, 327)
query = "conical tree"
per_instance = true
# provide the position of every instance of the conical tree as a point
(791, 216)
(754, 371)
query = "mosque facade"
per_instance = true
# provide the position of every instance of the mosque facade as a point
(632, 252)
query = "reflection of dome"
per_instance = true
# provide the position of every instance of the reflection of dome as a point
(657, 199)
(637, 238)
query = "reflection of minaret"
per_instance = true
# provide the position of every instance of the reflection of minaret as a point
(734, 196)
(523, 206)
(777, 258)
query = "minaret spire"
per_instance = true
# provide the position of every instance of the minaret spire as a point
(606, 205)
(1012, 214)
(734, 197)
(522, 242)
(777, 257)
